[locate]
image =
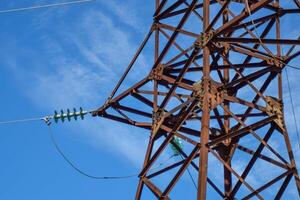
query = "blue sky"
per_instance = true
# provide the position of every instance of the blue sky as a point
(62, 58)
(67, 57)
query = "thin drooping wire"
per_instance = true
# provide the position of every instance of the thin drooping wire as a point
(260, 40)
(293, 107)
(44, 6)
(293, 67)
(62, 154)
(46, 119)
(59, 150)
(288, 81)
(255, 28)
(190, 175)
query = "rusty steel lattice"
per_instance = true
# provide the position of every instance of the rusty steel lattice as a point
(215, 83)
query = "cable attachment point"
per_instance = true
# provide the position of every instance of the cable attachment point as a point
(47, 120)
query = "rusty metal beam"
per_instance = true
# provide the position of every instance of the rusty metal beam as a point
(208, 106)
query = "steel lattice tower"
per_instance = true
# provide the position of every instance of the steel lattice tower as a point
(216, 83)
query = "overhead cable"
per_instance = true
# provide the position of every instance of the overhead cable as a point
(260, 40)
(44, 6)
(80, 171)
(293, 108)
(288, 81)
(59, 150)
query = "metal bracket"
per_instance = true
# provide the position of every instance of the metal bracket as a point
(224, 47)
(215, 97)
(204, 39)
(275, 62)
(275, 107)
(158, 118)
(155, 26)
(156, 73)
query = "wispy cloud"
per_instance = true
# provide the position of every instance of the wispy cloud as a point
(81, 63)
(84, 61)
(124, 12)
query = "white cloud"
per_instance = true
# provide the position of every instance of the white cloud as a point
(102, 53)
(127, 14)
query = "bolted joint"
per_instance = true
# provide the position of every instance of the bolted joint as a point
(215, 97)
(199, 43)
(157, 118)
(155, 26)
(226, 49)
(199, 92)
(274, 106)
(198, 89)
(101, 111)
(280, 12)
(277, 62)
(158, 115)
(203, 39)
(222, 48)
(157, 72)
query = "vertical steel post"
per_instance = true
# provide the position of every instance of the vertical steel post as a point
(155, 98)
(227, 150)
(205, 122)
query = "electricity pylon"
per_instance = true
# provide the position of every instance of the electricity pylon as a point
(215, 83)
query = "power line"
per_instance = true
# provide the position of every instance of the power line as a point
(21, 120)
(293, 67)
(56, 117)
(44, 6)
(63, 155)
(293, 107)
(255, 28)
(47, 119)
(259, 39)
(288, 81)
(190, 175)
(59, 150)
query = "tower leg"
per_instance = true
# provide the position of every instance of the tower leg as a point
(205, 122)
(147, 158)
